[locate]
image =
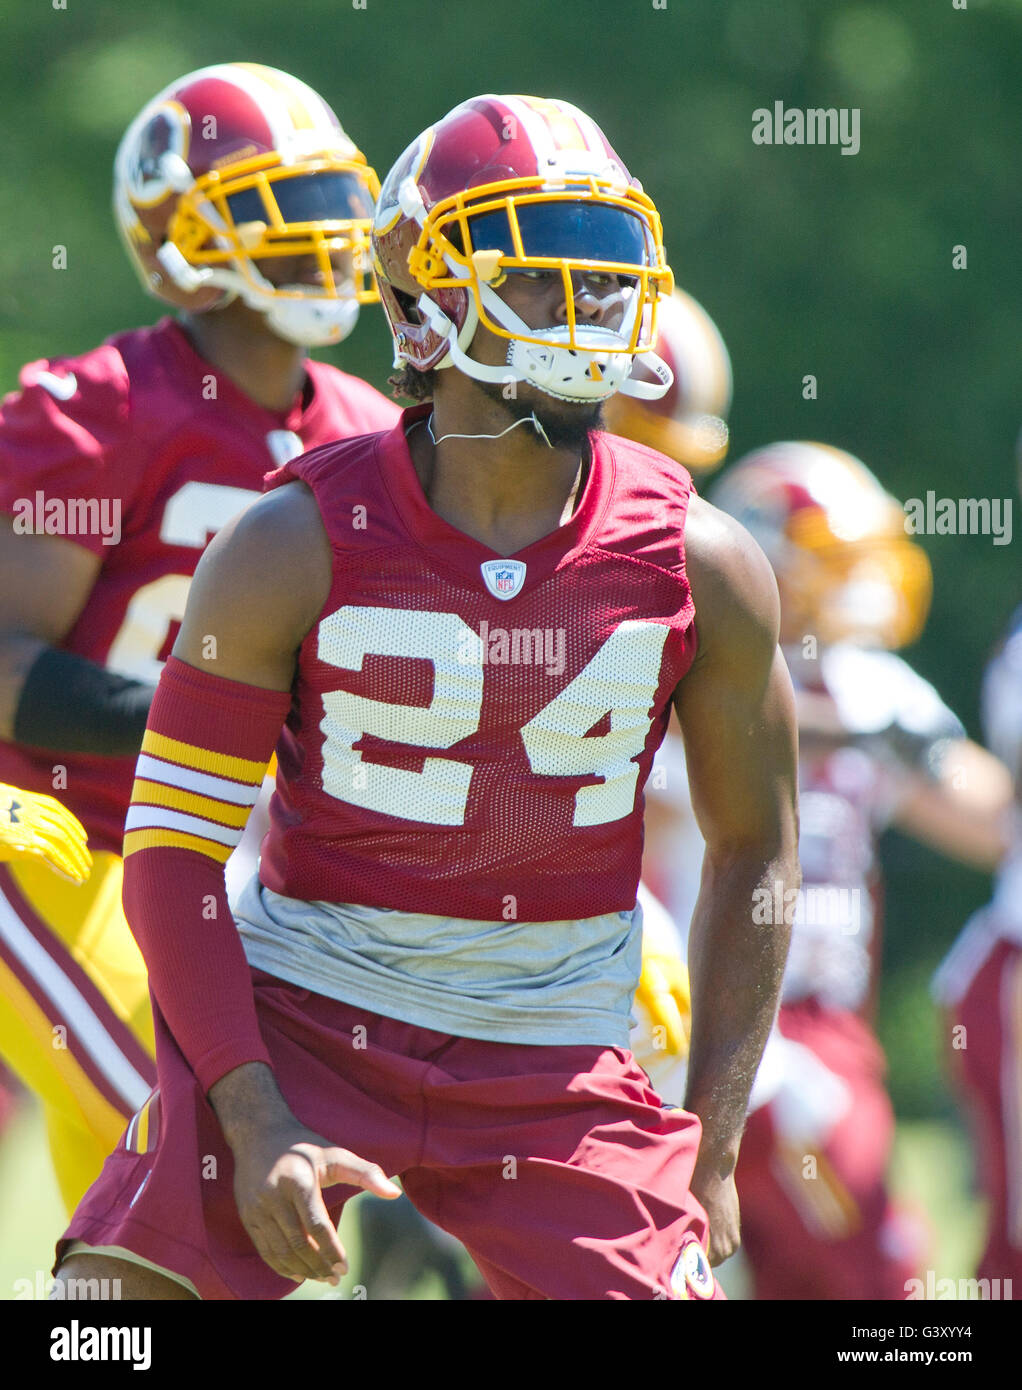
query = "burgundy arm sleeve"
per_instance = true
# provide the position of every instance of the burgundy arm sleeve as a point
(205, 750)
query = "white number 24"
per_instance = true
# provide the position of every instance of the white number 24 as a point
(619, 681)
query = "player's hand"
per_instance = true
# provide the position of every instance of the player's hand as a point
(36, 826)
(278, 1182)
(719, 1199)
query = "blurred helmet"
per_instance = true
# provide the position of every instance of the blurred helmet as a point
(690, 422)
(236, 164)
(506, 184)
(845, 567)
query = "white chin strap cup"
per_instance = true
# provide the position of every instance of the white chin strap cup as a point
(649, 390)
(185, 277)
(309, 322)
(306, 322)
(582, 374)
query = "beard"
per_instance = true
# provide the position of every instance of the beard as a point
(566, 423)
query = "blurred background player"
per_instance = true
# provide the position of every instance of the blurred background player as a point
(877, 747)
(242, 203)
(979, 986)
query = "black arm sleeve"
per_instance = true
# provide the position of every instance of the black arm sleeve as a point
(71, 704)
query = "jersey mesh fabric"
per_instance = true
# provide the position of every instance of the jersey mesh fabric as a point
(452, 753)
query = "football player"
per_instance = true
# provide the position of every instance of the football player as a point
(979, 986)
(437, 960)
(689, 423)
(877, 747)
(243, 204)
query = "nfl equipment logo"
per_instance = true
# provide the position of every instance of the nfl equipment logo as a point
(284, 445)
(503, 578)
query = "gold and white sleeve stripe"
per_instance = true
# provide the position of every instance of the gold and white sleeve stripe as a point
(187, 797)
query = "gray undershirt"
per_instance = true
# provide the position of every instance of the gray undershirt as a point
(543, 983)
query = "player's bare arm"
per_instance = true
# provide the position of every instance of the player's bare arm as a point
(737, 715)
(961, 807)
(258, 590)
(45, 582)
(956, 798)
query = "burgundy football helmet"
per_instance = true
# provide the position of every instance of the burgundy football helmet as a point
(507, 185)
(846, 568)
(689, 423)
(236, 164)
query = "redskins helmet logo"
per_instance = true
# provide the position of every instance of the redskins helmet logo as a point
(692, 1276)
(388, 205)
(150, 175)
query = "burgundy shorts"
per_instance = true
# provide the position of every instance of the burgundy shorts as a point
(557, 1167)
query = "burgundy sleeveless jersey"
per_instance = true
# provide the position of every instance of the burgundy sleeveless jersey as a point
(476, 745)
(139, 451)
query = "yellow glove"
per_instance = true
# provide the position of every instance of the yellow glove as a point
(38, 826)
(664, 994)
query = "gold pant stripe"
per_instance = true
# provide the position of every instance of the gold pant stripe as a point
(89, 923)
(825, 1204)
(85, 934)
(17, 1004)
